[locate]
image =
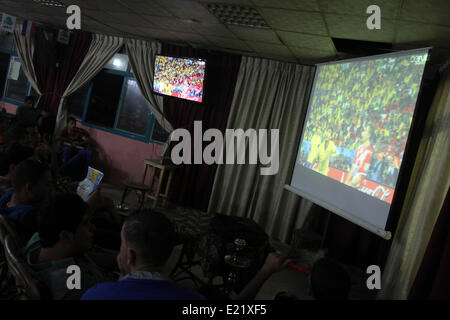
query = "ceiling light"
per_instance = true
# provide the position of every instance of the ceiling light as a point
(50, 3)
(238, 15)
(117, 62)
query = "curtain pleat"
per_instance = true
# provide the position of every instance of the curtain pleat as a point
(142, 59)
(25, 49)
(101, 50)
(269, 95)
(428, 186)
(192, 183)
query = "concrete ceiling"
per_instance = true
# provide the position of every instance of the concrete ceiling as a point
(300, 30)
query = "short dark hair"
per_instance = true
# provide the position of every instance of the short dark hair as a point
(15, 133)
(15, 154)
(329, 281)
(18, 153)
(30, 98)
(28, 171)
(151, 234)
(62, 212)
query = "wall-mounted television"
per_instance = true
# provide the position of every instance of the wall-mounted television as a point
(179, 77)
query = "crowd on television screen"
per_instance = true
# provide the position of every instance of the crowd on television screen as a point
(179, 77)
(350, 97)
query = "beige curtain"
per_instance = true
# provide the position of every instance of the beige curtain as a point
(25, 49)
(268, 95)
(101, 50)
(142, 59)
(427, 189)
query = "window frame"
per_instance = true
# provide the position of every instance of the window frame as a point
(151, 121)
(27, 90)
(126, 76)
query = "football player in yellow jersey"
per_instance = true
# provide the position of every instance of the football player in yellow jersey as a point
(314, 149)
(327, 150)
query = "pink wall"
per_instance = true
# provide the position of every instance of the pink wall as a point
(10, 108)
(116, 156)
(119, 157)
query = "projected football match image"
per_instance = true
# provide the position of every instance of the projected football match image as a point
(178, 77)
(359, 120)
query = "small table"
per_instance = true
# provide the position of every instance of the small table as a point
(163, 169)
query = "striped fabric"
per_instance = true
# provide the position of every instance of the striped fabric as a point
(28, 28)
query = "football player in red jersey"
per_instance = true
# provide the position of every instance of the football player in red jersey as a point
(361, 162)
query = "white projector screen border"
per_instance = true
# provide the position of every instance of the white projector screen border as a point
(385, 234)
(374, 229)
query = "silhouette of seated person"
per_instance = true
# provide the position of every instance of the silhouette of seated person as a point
(28, 136)
(65, 237)
(27, 114)
(32, 184)
(76, 156)
(15, 154)
(147, 242)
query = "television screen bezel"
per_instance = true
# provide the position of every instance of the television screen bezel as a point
(179, 98)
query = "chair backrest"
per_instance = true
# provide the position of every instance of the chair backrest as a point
(7, 227)
(26, 285)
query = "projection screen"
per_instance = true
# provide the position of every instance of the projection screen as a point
(356, 128)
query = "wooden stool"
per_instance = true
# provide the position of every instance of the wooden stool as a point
(137, 187)
(163, 169)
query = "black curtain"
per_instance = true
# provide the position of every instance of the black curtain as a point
(192, 183)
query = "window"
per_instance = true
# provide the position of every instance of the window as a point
(135, 112)
(77, 101)
(16, 87)
(4, 67)
(158, 133)
(33, 92)
(106, 89)
(113, 102)
(7, 42)
(118, 62)
(13, 81)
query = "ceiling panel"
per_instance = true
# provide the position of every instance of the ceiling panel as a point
(294, 39)
(289, 20)
(304, 5)
(96, 27)
(156, 34)
(247, 3)
(188, 10)
(103, 5)
(430, 11)
(311, 54)
(148, 7)
(270, 49)
(255, 34)
(192, 38)
(229, 43)
(423, 34)
(83, 4)
(388, 8)
(219, 30)
(9, 4)
(131, 19)
(299, 28)
(171, 24)
(354, 27)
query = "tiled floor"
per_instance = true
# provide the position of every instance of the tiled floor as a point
(289, 280)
